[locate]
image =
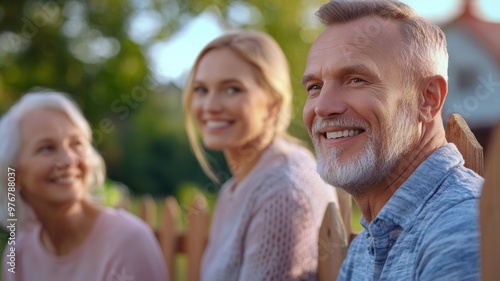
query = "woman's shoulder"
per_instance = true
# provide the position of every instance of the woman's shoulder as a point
(296, 163)
(26, 238)
(294, 173)
(287, 152)
(121, 221)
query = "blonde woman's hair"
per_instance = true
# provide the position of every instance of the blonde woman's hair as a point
(423, 52)
(271, 68)
(11, 140)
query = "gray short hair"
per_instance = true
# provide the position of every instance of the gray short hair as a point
(424, 51)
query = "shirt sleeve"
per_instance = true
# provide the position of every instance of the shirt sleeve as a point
(280, 242)
(450, 249)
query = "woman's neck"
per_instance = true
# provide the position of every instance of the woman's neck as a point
(65, 228)
(242, 159)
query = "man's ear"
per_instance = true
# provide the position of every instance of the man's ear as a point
(432, 93)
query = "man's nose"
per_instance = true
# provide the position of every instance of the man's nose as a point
(330, 101)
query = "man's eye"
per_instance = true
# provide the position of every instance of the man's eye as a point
(313, 89)
(357, 80)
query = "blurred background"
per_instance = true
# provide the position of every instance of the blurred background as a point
(125, 62)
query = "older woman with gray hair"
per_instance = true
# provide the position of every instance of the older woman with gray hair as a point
(48, 170)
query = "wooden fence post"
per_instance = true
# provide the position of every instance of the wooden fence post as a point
(345, 208)
(333, 242)
(489, 208)
(168, 234)
(147, 210)
(460, 134)
(196, 236)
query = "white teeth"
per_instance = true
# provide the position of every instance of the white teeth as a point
(333, 135)
(65, 180)
(217, 124)
(340, 134)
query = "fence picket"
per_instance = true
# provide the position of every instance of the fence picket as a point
(345, 207)
(332, 244)
(196, 236)
(459, 133)
(168, 233)
(489, 208)
(147, 210)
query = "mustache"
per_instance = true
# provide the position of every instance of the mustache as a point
(339, 121)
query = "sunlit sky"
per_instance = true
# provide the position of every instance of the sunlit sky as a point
(172, 59)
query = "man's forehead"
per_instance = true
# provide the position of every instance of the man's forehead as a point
(342, 41)
(363, 32)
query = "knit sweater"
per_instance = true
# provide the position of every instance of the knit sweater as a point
(267, 227)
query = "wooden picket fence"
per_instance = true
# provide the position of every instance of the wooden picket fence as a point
(335, 233)
(190, 241)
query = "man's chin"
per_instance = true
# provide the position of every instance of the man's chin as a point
(354, 188)
(354, 180)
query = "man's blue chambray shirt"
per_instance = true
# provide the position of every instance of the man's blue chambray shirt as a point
(428, 230)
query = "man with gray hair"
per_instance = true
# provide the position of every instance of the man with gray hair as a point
(376, 81)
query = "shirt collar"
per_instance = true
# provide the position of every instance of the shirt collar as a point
(415, 191)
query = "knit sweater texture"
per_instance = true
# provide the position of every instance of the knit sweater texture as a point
(266, 227)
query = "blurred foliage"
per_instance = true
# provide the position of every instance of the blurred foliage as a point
(84, 48)
(4, 235)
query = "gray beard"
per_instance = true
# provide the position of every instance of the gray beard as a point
(376, 160)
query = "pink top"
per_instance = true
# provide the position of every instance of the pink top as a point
(119, 247)
(267, 228)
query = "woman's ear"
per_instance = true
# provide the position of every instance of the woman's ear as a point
(431, 97)
(273, 111)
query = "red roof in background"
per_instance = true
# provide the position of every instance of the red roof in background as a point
(487, 34)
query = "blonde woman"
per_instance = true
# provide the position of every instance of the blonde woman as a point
(61, 233)
(267, 218)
